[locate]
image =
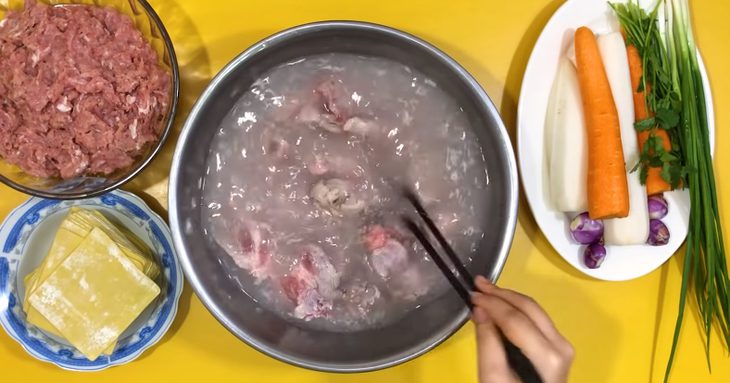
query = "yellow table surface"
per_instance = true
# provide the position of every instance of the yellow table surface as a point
(621, 331)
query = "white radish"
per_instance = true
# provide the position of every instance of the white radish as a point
(570, 54)
(567, 154)
(633, 229)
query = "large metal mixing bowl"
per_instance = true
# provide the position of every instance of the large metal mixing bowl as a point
(419, 331)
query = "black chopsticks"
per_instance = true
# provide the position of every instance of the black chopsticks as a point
(463, 293)
(464, 285)
(466, 277)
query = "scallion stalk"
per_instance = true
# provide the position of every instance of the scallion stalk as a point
(672, 70)
(705, 264)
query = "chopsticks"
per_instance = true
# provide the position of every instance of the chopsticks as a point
(466, 277)
(455, 283)
(462, 282)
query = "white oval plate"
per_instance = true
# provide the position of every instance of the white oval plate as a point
(622, 262)
(25, 238)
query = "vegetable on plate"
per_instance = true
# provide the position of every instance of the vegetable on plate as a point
(674, 87)
(585, 230)
(607, 188)
(658, 207)
(658, 233)
(634, 228)
(567, 152)
(650, 136)
(593, 255)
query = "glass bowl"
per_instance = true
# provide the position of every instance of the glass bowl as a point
(147, 21)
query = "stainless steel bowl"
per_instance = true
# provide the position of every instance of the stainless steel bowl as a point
(423, 328)
(155, 33)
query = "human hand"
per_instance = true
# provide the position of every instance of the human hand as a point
(521, 320)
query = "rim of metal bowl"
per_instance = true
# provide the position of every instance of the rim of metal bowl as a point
(177, 234)
(170, 118)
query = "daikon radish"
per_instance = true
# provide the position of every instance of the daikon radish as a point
(568, 158)
(633, 229)
(570, 54)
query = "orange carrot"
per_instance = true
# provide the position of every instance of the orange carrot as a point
(655, 184)
(608, 193)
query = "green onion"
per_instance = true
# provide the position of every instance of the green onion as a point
(678, 99)
(705, 263)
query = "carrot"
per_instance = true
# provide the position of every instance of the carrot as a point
(655, 184)
(607, 188)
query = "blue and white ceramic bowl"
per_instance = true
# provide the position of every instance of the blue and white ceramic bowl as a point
(25, 238)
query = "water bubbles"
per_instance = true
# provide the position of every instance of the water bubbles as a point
(356, 97)
(214, 206)
(247, 117)
(399, 149)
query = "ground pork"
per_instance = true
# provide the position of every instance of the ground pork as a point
(81, 91)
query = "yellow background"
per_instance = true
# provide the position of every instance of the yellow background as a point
(621, 331)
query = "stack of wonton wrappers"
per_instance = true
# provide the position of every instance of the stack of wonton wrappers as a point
(94, 282)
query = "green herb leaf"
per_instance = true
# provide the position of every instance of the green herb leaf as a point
(657, 145)
(667, 118)
(645, 124)
(666, 172)
(656, 162)
(668, 157)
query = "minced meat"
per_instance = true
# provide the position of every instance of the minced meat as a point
(81, 91)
